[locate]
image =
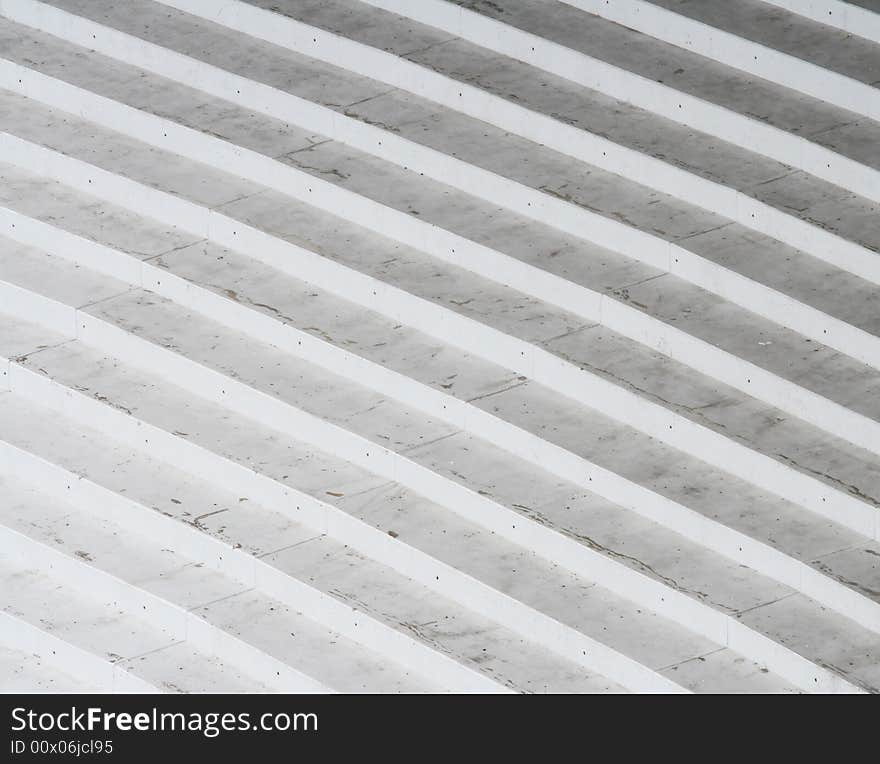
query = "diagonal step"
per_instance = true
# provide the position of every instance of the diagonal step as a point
(620, 579)
(511, 116)
(95, 673)
(118, 645)
(587, 303)
(402, 433)
(849, 17)
(868, 439)
(349, 621)
(706, 110)
(182, 624)
(447, 580)
(145, 556)
(765, 57)
(539, 205)
(543, 454)
(523, 358)
(24, 671)
(251, 517)
(182, 456)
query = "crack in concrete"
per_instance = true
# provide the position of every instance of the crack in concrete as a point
(773, 180)
(852, 489)
(416, 446)
(741, 613)
(684, 662)
(374, 122)
(873, 594)
(582, 328)
(223, 598)
(103, 399)
(639, 282)
(288, 547)
(312, 145)
(425, 49)
(113, 296)
(175, 249)
(220, 205)
(416, 629)
(522, 381)
(22, 358)
(332, 171)
(369, 98)
(197, 521)
(596, 546)
(708, 230)
(671, 405)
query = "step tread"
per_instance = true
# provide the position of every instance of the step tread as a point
(828, 125)
(341, 572)
(187, 583)
(453, 455)
(788, 33)
(279, 215)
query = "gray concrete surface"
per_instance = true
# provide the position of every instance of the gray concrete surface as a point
(393, 398)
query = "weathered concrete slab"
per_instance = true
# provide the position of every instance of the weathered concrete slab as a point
(345, 350)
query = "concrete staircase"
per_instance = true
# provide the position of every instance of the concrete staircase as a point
(411, 345)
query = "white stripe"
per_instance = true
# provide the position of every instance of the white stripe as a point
(86, 667)
(662, 176)
(846, 16)
(645, 93)
(737, 52)
(523, 358)
(543, 454)
(350, 622)
(407, 560)
(180, 624)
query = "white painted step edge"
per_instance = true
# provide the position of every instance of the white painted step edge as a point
(512, 117)
(326, 518)
(645, 93)
(182, 625)
(749, 294)
(739, 53)
(390, 644)
(470, 592)
(694, 526)
(593, 306)
(523, 358)
(96, 673)
(835, 13)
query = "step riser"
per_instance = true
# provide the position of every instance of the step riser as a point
(747, 56)
(566, 465)
(472, 336)
(592, 306)
(325, 518)
(797, 614)
(642, 92)
(92, 671)
(712, 535)
(448, 581)
(542, 207)
(842, 15)
(180, 624)
(593, 149)
(90, 497)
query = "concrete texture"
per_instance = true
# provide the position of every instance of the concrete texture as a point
(347, 351)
